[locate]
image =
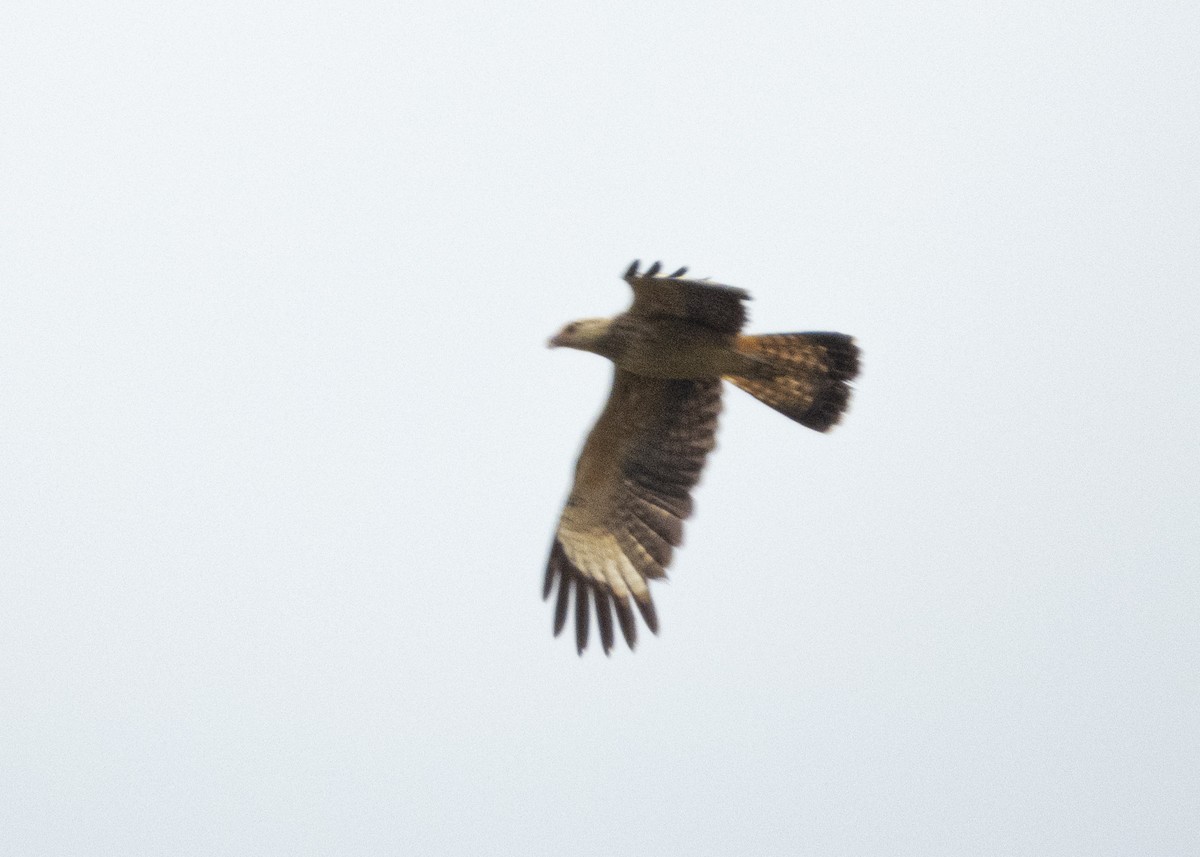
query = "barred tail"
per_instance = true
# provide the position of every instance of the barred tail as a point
(804, 376)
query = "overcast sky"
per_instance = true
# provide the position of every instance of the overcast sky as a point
(281, 445)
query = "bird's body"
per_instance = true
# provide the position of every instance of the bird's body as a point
(672, 349)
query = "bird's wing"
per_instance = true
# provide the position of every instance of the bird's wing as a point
(630, 497)
(721, 308)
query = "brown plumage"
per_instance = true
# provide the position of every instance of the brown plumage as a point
(633, 480)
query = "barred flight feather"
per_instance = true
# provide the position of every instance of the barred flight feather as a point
(608, 551)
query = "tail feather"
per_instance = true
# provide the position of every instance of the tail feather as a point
(804, 376)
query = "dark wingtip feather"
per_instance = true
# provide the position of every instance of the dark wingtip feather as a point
(632, 270)
(680, 272)
(646, 608)
(560, 606)
(552, 569)
(653, 270)
(626, 620)
(582, 613)
(604, 620)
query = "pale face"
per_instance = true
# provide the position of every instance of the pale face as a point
(583, 334)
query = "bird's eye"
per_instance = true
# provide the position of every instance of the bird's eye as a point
(571, 328)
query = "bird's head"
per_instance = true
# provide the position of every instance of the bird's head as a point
(585, 334)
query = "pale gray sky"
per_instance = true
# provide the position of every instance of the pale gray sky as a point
(281, 447)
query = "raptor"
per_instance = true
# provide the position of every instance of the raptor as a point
(672, 349)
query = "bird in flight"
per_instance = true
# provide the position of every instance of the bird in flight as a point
(672, 348)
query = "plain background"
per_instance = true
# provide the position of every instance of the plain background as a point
(281, 446)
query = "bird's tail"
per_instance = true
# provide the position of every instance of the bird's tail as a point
(804, 376)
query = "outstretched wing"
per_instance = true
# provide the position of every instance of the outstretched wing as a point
(721, 308)
(631, 494)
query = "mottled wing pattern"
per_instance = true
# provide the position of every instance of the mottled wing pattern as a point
(631, 494)
(720, 308)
